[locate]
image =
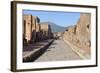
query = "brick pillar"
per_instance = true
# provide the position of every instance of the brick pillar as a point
(28, 28)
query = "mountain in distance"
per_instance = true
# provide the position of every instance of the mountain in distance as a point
(55, 27)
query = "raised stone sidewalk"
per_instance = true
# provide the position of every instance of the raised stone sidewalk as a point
(32, 51)
(77, 50)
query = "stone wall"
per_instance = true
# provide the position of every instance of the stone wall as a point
(80, 34)
(83, 29)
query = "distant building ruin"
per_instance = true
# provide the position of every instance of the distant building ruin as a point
(46, 31)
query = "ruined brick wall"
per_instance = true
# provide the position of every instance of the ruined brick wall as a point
(35, 29)
(49, 32)
(27, 30)
(33, 23)
(46, 29)
(31, 30)
(38, 36)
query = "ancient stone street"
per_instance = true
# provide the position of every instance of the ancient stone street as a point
(57, 51)
(73, 43)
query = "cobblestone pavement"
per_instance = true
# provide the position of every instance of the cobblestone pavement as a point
(58, 51)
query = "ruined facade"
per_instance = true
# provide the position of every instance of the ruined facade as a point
(31, 27)
(35, 28)
(46, 31)
(33, 31)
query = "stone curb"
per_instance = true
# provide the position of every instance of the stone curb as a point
(35, 54)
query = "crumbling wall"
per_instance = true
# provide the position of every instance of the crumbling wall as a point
(80, 34)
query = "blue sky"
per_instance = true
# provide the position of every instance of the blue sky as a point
(60, 18)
